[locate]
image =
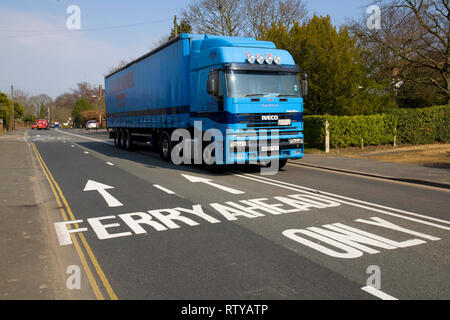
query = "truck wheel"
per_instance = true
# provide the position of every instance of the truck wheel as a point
(281, 163)
(165, 147)
(117, 139)
(128, 141)
(123, 134)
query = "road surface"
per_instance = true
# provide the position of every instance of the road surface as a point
(147, 229)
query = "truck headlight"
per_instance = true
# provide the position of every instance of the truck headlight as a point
(260, 59)
(277, 60)
(296, 141)
(238, 144)
(269, 58)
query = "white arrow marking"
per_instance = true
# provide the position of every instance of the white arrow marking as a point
(101, 188)
(208, 181)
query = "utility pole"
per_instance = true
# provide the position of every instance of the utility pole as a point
(175, 26)
(99, 103)
(12, 125)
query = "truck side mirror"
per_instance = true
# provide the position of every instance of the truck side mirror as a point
(304, 84)
(211, 85)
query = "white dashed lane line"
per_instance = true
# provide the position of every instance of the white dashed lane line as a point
(163, 189)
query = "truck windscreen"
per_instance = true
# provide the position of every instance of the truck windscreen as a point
(241, 84)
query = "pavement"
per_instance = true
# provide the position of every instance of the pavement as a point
(25, 267)
(148, 229)
(32, 262)
(410, 173)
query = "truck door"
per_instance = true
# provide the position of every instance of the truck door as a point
(211, 102)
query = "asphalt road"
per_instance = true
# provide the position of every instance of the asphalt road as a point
(151, 231)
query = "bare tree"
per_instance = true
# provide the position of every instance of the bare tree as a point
(220, 17)
(243, 17)
(261, 14)
(414, 41)
(23, 98)
(120, 65)
(40, 104)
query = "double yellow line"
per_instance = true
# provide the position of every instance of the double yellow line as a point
(64, 207)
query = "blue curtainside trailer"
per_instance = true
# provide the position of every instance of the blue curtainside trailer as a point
(232, 99)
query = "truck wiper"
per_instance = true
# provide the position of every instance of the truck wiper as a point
(255, 95)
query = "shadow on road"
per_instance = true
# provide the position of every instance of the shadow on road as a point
(152, 160)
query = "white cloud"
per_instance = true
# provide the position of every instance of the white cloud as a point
(41, 61)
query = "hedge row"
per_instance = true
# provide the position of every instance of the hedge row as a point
(350, 131)
(415, 126)
(422, 126)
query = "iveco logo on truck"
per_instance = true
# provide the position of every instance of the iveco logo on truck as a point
(268, 118)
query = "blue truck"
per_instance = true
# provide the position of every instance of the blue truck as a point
(247, 90)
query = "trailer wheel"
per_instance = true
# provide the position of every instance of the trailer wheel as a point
(123, 137)
(165, 147)
(128, 140)
(118, 139)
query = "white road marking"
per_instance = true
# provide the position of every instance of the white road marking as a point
(164, 189)
(378, 293)
(86, 152)
(320, 194)
(109, 163)
(101, 188)
(84, 137)
(63, 233)
(353, 242)
(209, 181)
(358, 201)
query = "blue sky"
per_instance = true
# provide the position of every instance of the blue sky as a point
(56, 62)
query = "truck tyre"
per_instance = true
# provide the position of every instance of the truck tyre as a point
(128, 140)
(281, 163)
(165, 147)
(117, 139)
(212, 168)
(123, 136)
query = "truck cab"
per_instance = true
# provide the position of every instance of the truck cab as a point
(250, 91)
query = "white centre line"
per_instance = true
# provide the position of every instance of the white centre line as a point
(378, 293)
(164, 189)
(84, 137)
(86, 152)
(109, 163)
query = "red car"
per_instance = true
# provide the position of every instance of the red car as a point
(34, 126)
(42, 124)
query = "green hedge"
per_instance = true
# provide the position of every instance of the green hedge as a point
(414, 126)
(350, 130)
(422, 126)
